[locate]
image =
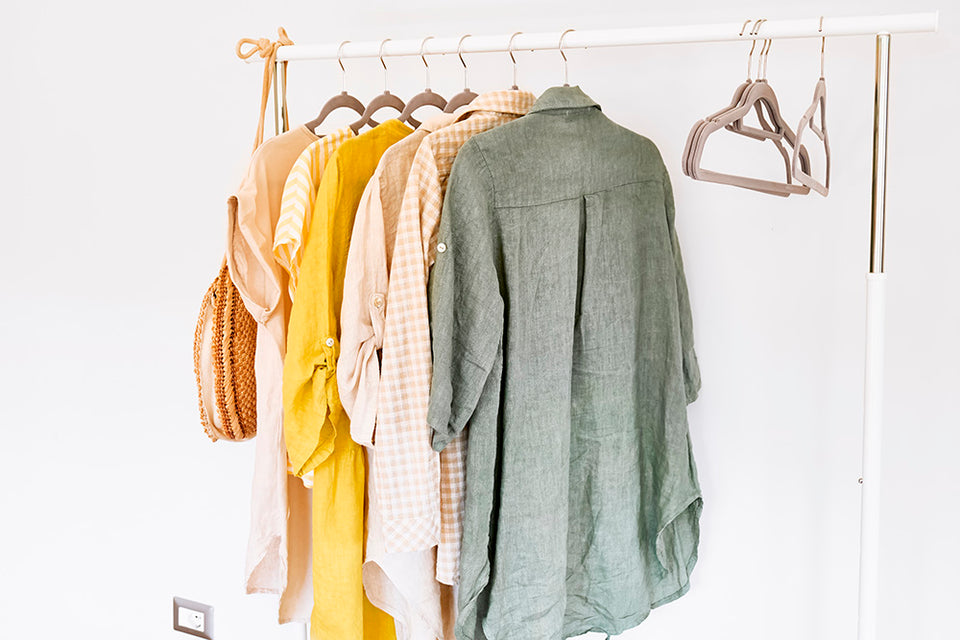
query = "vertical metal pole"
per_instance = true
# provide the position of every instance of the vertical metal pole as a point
(881, 102)
(276, 102)
(874, 358)
(282, 81)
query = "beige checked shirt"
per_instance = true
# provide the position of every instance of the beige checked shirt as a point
(365, 281)
(421, 492)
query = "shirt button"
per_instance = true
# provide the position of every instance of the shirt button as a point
(378, 302)
(441, 247)
(329, 342)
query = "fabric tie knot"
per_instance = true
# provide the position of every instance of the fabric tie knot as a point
(264, 46)
(267, 49)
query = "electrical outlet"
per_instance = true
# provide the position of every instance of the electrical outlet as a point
(192, 617)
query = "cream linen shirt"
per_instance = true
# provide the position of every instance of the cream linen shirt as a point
(402, 584)
(278, 550)
(420, 492)
(365, 281)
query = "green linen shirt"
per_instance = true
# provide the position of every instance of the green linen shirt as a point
(562, 338)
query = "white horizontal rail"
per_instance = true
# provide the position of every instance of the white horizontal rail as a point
(730, 31)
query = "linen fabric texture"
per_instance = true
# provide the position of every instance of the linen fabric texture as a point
(299, 194)
(278, 550)
(402, 584)
(363, 315)
(421, 493)
(563, 344)
(296, 211)
(316, 427)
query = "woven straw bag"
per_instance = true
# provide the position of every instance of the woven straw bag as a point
(224, 345)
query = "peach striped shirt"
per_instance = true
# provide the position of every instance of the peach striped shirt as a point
(296, 208)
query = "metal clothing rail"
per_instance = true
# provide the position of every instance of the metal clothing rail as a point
(881, 27)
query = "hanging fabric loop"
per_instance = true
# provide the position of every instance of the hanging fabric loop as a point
(267, 49)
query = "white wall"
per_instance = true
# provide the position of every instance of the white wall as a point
(126, 125)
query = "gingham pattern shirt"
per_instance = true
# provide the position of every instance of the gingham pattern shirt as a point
(421, 492)
(296, 204)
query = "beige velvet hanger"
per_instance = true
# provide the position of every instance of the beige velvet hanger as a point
(342, 100)
(737, 96)
(385, 99)
(819, 103)
(426, 98)
(749, 96)
(466, 96)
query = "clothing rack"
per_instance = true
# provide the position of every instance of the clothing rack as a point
(881, 27)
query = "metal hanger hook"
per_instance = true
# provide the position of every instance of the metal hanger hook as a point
(380, 55)
(343, 71)
(753, 46)
(564, 56)
(766, 56)
(426, 66)
(460, 55)
(823, 41)
(755, 31)
(512, 59)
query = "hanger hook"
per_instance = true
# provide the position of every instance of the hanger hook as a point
(766, 57)
(564, 56)
(512, 59)
(823, 41)
(460, 55)
(753, 46)
(755, 31)
(380, 55)
(425, 65)
(343, 71)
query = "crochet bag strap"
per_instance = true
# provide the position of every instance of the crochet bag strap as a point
(268, 51)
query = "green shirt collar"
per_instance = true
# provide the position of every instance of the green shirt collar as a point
(563, 98)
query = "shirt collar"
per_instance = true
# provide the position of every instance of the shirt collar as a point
(510, 101)
(563, 98)
(436, 122)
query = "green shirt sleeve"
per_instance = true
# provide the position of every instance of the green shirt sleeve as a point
(466, 307)
(691, 369)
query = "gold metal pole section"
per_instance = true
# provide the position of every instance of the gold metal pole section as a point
(276, 102)
(881, 102)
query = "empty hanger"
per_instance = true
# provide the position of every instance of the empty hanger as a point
(385, 99)
(758, 91)
(738, 126)
(757, 96)
(807, 121)
(737, 96)
(466, 96)
(513, 60)
(780, 130)
(341, 100)
(426, 98)
(564, 56)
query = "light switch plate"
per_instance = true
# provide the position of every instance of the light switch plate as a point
(192, 617)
